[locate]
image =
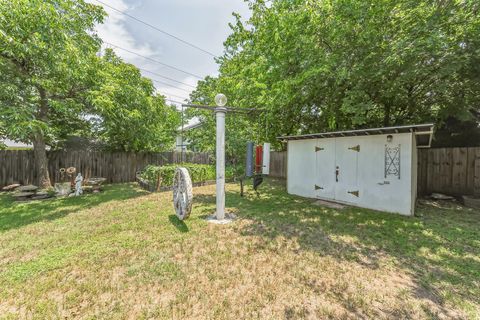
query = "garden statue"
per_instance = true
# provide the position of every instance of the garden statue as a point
(182, 193)
(64, 186)
(78, 184)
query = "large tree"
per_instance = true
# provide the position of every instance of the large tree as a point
(53, 84)
(336, 64)
(47, 64)
(130, 115)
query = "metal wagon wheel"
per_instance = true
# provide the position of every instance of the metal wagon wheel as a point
(182, 193)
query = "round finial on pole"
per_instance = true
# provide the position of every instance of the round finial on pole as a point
(221, 100)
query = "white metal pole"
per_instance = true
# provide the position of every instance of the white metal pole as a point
(220, 151)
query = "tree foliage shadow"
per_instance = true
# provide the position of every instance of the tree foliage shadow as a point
(177, 223)
(14, 215)
(451, 234)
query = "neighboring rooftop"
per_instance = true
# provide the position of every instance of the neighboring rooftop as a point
(190, 126)
(15, 145)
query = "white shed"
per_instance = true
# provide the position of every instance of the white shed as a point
(370, 168)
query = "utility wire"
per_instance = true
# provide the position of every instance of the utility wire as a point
(159, 75)
(153, 60)
(172, 95)
(164, 83)
(164, 77)
(174, 101)
(159, 30)
(169, 85)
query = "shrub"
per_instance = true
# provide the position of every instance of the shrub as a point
(198, 173)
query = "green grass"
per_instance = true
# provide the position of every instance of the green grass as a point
(123, 254)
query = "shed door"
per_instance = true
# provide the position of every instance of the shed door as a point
(346, 167)
(325, 168)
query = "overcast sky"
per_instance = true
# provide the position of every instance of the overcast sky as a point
(201, 22)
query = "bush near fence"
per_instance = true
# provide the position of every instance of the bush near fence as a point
(158, 178)
(198, 173)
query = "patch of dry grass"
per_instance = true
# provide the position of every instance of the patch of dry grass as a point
(123, 254)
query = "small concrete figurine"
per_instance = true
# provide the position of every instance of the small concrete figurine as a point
(78, 184)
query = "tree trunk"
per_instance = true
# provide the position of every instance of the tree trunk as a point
(39, 150)
(41, 161)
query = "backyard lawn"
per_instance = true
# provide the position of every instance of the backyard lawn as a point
(124, 254)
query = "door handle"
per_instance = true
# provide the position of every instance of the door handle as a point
(337, 172)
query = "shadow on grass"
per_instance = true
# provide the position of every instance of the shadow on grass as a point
(177, 223)
(437, 248)
(15, 215)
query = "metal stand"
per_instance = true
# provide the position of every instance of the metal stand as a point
(220, 152)
(220, 112)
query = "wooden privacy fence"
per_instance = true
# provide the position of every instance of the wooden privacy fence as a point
(19, 167)
(278, 164)
(446, 170)
(449, 170)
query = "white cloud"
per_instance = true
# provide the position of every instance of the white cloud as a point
(113, 31)
(180, 91)
(203, 22)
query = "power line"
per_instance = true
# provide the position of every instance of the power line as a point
(167, 78)
(159, 30)
(156, 61)
(174, 101)
(172, 95)
(159, 75)
(169, 85)
(165, 83)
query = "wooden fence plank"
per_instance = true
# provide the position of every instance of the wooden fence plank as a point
(422, 170)
(476, 179)
(459, 170)
(470, 168)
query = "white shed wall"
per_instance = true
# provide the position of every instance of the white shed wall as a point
(374, 192)
(301, 171)
(389, 194)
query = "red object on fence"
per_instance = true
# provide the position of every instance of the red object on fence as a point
(258, 158)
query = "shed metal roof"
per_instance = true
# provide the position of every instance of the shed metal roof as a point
(418, 128)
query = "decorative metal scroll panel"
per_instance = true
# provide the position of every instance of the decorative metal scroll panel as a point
(392, 161)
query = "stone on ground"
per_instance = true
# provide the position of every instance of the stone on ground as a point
(40, 196)
(440, 196)
(11, 187)
(472, 202)
(329, 204)
(21, 196)
(28, 188)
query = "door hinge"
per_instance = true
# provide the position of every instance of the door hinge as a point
(356, 148)
(318, 187)
(319, 149)
(355, 193)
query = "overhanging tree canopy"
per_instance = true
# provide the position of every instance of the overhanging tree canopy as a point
(53, 84)
(320, 65)
(48, 51)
